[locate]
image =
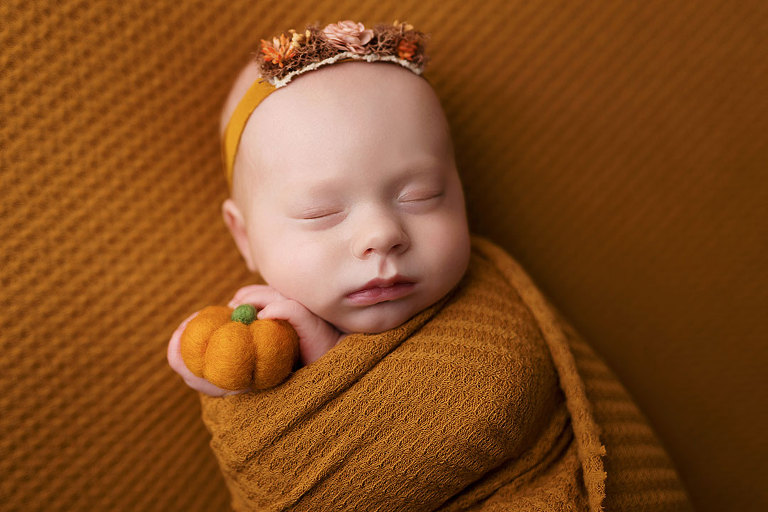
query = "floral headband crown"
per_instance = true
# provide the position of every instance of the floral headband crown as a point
(284, 58)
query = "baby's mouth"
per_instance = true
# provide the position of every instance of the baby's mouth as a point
(380, 290)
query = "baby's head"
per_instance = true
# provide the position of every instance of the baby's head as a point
(345, 176)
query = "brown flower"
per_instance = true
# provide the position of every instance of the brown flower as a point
(278, 51)
(406, 49)
(348, 35)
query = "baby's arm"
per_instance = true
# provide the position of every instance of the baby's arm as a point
(316, 336)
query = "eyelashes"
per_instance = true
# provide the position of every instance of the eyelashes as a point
(425, 197)
(319, 216)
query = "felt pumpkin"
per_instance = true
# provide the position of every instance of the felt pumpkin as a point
(233, 350)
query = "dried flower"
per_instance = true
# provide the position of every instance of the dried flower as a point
(348, 35)
(298, 39)
(403, 25)
(406, 49)
(278, 51)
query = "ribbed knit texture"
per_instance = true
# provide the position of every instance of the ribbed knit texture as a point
(613, 437)
(475, 403)
(617, 149)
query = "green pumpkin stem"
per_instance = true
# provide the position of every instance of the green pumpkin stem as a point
(244, 313)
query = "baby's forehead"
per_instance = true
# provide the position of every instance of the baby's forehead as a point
(337, 115)
(341, 79)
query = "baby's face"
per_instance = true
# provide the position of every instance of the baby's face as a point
(346, 176)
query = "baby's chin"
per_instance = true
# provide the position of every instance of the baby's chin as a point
(376, 318)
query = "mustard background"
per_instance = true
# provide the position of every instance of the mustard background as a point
(617, 149)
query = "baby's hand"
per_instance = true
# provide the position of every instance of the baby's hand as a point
(316, 336)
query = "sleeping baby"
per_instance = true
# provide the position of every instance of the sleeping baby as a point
(424, 380)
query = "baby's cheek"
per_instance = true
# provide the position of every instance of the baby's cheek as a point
(304, 274)
(447, 240)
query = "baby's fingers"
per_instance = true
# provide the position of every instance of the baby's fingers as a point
(316, 336)
(257, 294)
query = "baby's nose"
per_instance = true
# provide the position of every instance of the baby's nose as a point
(382, 235)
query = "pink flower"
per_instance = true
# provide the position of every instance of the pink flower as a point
(348, 35)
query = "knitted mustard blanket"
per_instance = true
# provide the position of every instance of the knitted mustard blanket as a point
(475, 403)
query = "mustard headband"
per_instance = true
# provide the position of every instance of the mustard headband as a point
(285, 58)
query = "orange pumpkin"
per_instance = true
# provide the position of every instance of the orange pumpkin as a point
(233, 350)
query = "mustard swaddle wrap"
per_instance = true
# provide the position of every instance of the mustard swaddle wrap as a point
(475, 403)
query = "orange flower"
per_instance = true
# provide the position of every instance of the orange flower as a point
(278, 51)
(406, 49)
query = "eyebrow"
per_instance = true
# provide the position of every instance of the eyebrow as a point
(428, 167)
(420, 167)
(321, 187)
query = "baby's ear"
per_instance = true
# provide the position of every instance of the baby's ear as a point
(235, 221)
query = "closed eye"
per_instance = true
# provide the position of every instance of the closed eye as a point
(314, 216)
(420, 197)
